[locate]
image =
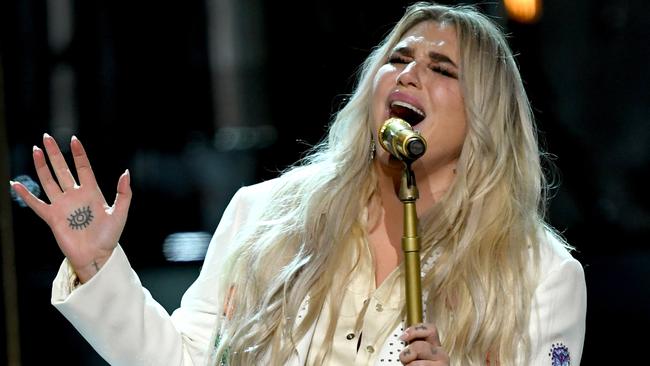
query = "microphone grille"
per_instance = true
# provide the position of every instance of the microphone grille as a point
(416, 147)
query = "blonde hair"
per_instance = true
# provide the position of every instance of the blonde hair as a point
(486, 227)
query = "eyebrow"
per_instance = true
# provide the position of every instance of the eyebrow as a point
(434, 56)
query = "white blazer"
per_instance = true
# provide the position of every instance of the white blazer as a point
(126, 326)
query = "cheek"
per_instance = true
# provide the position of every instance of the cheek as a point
(383, 81)
(459, 128)
(451, 122)
(381, 86)
(458, 120)
(451, 98)
(380, 76)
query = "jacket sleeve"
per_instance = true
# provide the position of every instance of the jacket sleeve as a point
(557, 323)
(126, 326)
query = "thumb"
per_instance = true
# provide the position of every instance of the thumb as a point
(30, 200)
(123, 196)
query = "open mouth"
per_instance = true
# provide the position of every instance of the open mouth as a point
(409, 113)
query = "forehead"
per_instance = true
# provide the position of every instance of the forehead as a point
(431, 36)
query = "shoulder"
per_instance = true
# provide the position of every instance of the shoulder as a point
(240, 216)
(258, 190)
(560, 277)
(251, 196)
(554, 253)
(244, 207)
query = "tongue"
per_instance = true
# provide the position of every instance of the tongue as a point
(407, 114)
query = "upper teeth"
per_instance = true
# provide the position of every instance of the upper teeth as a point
(409, 106)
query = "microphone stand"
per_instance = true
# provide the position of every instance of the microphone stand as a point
(408, 193)
(398, 138)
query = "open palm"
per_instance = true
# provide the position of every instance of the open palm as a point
(85, 226)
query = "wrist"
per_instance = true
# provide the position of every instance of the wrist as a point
(88, 271)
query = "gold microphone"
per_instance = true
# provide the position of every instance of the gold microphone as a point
(398, 138)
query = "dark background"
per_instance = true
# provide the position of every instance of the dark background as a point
(164, 88)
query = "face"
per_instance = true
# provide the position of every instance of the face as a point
(419, 84)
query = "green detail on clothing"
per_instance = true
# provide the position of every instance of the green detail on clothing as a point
(225, 356)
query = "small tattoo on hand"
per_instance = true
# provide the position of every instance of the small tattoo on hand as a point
(421, 327)
(406, 352)
(434, 350)
(80, 218)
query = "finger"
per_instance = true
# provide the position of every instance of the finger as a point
(408, 355)
(422, 331)
(421, 350)
(81, 163)
(428, 363)
(123, 197)
(60, 167)
(50, 186)
(38, 206)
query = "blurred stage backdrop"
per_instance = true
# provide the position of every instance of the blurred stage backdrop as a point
(200, 97)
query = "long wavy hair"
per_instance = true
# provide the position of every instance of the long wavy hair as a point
(486, 228)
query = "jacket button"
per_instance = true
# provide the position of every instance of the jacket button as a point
(370, 349)
(350, 336)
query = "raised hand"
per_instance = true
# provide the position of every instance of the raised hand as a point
(86, 228)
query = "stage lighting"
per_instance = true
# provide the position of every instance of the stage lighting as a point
(523, 11)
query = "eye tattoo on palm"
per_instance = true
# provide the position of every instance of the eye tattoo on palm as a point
(80, 218)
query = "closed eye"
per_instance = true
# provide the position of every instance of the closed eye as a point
(438, 67)
(397, 59)
(444, 71)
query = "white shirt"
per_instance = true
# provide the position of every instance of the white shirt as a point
(126, 326)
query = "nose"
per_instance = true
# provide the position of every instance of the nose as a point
(409, 75)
